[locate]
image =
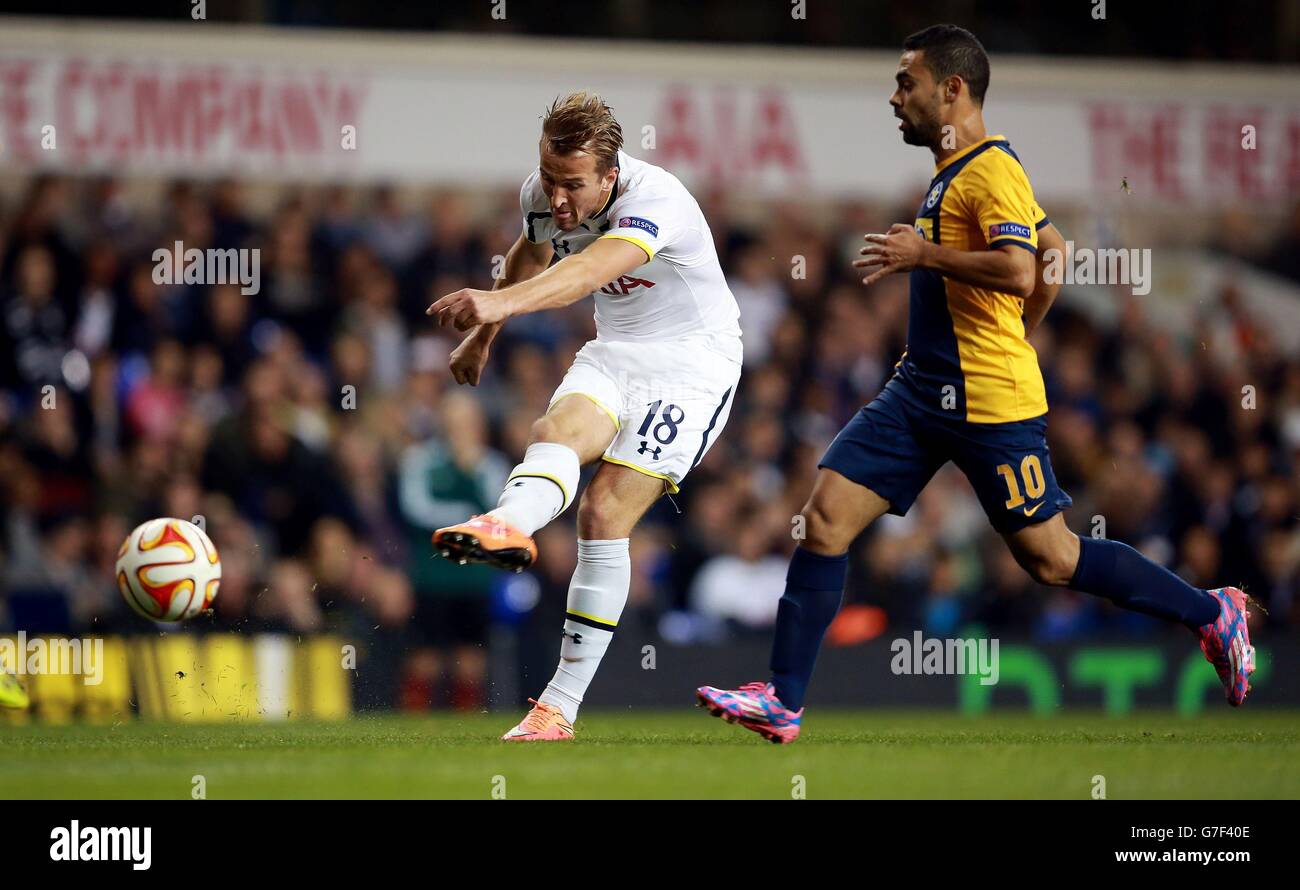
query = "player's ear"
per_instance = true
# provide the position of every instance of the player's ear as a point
(952, 88)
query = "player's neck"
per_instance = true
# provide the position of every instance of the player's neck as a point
(964, 133)
(606, 199)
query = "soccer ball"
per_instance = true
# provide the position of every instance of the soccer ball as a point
(168, 570)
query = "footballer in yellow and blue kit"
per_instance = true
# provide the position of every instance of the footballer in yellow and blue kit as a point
(968, 388)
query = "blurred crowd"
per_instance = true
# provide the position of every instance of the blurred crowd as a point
(314, 428)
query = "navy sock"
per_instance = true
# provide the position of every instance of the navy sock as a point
(1128, 579)
(814, 586)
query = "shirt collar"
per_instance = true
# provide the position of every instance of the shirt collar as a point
(965, 151)
(613, 193)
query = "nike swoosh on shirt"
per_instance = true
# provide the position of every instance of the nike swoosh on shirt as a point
(1029, 512)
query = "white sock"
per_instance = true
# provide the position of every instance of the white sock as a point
(597, 595)
(540, 488)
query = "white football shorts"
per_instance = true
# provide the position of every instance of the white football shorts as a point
(669, 399)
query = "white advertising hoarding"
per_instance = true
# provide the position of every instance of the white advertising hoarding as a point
(206, 100)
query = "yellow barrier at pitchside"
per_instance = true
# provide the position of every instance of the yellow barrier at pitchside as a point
(180, 677)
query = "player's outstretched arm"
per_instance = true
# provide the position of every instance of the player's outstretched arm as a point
(568, 281)
(524, 260)
(1008, 269)
(1037, 304)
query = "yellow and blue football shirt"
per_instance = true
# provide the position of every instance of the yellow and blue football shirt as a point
(968, 389)
(967, 355)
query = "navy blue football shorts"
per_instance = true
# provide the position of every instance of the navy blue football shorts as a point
(893, 446)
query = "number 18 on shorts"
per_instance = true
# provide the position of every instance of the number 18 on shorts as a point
(669, 400)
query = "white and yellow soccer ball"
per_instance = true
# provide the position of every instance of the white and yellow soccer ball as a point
(168, 570)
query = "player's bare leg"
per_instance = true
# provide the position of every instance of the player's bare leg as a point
(836, 513)
(1054, 555)
(838, 510)
(1048, 551)
(610, 508)
(575, 431)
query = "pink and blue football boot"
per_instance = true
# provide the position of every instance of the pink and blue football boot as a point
(755, 707)
(1226, 644)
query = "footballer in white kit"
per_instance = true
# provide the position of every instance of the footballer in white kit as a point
(647, 398)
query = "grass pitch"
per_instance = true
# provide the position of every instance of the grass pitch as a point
(674, 754)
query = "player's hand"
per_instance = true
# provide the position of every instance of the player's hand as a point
(468, 308)
(468, 360)
(898, 250)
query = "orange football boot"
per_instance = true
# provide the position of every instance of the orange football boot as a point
(486, 539)
(544, 723)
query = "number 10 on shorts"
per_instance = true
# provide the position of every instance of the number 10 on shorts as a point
(1031, 472)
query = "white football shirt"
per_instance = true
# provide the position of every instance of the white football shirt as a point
(680, 290)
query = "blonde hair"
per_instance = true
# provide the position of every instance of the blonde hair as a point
(582, 121)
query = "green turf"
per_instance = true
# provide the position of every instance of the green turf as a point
(1242, 754)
